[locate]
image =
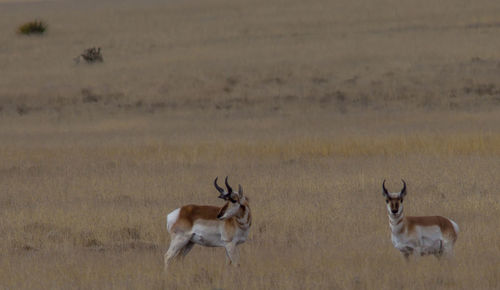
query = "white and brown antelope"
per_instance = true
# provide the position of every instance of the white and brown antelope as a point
(210, 226)
(419, 235)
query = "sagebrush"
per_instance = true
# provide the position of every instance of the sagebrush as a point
(33, 27)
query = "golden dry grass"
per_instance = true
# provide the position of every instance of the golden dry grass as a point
(87, 208)
(309, 105)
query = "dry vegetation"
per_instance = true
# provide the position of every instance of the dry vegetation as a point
(309, 105)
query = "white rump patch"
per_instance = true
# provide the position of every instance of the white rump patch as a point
(455, 226)
(172, 218)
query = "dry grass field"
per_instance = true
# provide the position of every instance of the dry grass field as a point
(308, 104)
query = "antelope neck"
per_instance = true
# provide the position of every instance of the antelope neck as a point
(244, 219)
(396, 222)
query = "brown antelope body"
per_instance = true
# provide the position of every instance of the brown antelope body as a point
(420, 235)
(210, 226)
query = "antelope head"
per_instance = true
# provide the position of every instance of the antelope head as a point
(394, 200)
(234, 200)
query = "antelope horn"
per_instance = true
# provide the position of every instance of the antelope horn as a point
(404, 187)
(220, 189)
(229, 189)
(385, 192)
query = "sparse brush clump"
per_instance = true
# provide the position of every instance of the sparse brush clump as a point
(90, 55)
(32, 27)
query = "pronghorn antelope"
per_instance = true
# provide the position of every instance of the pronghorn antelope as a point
(210, 226)
(422, 235)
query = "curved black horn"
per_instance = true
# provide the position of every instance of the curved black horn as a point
(220, 189)
(403, 191)
(385, 192)
(229, 189)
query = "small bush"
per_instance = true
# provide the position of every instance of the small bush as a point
(33, 27)
(90, 55)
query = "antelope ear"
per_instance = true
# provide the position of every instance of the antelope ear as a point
(240, 191)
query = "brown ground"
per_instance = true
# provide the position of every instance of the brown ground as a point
(308, 104)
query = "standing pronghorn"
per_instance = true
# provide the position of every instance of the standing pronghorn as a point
(422, 235)
(210, 226)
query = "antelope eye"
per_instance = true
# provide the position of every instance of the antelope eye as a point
(386, 201)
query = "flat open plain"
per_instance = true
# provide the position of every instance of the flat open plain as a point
(308, 104)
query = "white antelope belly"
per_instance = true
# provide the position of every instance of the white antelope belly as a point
(206, 236)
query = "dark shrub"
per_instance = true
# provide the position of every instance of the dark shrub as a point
(33, 27)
